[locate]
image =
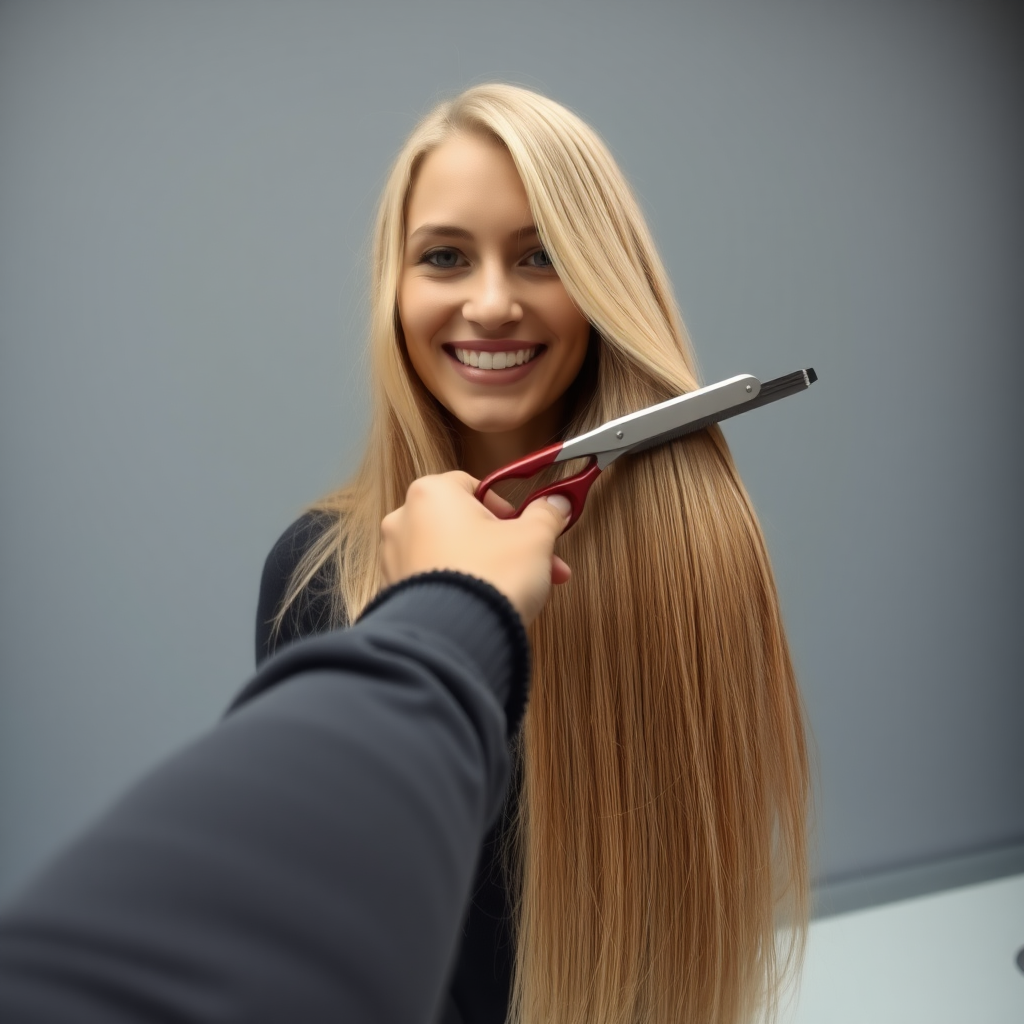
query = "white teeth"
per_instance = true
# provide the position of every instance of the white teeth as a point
(494, 360)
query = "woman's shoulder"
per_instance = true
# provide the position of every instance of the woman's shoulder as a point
(299, 537)
(310, 612)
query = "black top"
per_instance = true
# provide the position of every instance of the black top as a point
(482, 978)
(311, 612)
(309, 858)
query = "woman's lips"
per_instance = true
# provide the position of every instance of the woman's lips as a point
(521, 357)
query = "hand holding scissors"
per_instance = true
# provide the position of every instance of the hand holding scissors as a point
(647, 428)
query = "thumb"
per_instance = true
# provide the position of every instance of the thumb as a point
(554, 511)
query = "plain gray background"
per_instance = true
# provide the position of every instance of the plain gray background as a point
(185, 197)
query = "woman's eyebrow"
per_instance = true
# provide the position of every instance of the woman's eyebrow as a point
(442, 230)
(451, 231)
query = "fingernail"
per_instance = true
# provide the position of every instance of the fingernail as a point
(562, 503)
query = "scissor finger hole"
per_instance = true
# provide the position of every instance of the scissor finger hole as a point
(518, 493)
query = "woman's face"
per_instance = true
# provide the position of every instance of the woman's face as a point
(489, 327)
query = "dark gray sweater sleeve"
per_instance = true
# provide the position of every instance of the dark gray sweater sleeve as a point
(310, 858)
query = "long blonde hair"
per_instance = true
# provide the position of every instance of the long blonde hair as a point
(662, 866)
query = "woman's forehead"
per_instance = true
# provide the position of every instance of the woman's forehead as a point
(468, 182)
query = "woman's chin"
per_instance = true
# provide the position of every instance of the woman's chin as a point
(492, 428)
(492, 418)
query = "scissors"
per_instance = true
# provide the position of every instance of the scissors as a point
(647, 428)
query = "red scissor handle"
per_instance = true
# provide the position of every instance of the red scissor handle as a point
(575, 487)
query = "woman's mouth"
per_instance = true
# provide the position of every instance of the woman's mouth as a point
(487, 359)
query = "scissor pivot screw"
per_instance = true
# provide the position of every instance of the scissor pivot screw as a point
(618, 434)
(749, 388)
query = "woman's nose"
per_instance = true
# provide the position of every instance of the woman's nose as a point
(492, 302)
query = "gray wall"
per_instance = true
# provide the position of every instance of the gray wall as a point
(185, 194)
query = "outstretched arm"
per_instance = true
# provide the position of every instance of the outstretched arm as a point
(310, 858)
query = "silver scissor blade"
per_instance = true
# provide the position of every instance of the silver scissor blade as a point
(771, 391)
(662, 422)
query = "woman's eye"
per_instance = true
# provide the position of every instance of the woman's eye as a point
(443, 259)
(540, 258)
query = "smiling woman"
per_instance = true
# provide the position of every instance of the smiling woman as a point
(651, 865)
(488, 325)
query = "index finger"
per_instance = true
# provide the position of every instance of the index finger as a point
(498, 506)
(494, 503)
(463, 479)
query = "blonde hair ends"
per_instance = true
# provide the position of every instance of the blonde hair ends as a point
(661, 849)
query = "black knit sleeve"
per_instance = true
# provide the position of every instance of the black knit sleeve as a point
(310, 858)
(311, 611)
